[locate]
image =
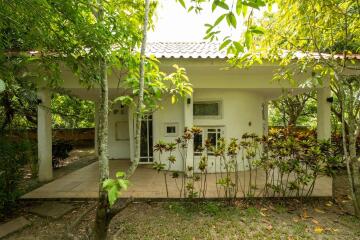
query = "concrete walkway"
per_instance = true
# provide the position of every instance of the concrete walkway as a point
(145, 183)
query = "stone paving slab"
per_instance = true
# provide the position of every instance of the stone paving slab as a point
(52, 209)
(145, 183)
(13, 226)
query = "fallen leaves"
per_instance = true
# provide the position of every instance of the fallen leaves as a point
(315, 221)
(304, 215)
(263, 214)
(318, 230)
(269, 227)
(319, 210)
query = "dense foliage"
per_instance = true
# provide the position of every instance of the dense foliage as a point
(291, 162)
(13, 156)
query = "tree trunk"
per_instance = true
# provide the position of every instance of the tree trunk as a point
(354, 168)
(102, 219)
(103, 212)
(139, 109)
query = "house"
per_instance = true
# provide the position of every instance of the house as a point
(225, 103)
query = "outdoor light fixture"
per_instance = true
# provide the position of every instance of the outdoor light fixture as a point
(188, 100)
(330, 99)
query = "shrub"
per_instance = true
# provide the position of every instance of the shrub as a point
(60, 151)
(291, 161)
(12, 157)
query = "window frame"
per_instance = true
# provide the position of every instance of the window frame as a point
(205, 132)
(220, 109)
(171, 124)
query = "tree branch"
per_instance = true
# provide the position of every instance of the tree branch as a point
(119, 206)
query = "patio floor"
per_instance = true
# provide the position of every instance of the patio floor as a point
(145, 183)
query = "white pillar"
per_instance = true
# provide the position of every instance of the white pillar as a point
(96, 119)
(44, 135)
(131, 133)
(265, 116)
(189, 122)
(323, 113)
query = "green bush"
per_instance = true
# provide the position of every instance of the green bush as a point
(60, 151)
(12, 157)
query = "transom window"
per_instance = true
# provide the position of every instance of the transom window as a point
(207, 109)
(213, 134)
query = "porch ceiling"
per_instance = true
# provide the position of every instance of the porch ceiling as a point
(268, 93)
(205, 74)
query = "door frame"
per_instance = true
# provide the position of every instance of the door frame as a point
(148, 119)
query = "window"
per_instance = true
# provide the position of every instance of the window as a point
(207, 109)
(122, 131)
(213, 134)
(171, 129)
(146, 139)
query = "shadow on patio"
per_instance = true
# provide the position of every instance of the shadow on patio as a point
(145, 183)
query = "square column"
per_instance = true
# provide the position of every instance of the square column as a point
(44, 135)
(265, 118)
(96, 119)
(323, 114)
(131, 115)
(189, 122)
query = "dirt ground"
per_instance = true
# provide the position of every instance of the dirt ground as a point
(257, 219)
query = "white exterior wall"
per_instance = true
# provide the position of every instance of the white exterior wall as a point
(119, 138)
(239, 108)
(168, 114)
(241, 113)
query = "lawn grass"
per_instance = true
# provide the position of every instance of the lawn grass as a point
(256, 219)
(216, 220)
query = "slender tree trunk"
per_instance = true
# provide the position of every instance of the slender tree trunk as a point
(353, 169)
(102, 220)
(349, 147)
(140, 104)
(104, 214)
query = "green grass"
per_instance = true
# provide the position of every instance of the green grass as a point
(216, 220)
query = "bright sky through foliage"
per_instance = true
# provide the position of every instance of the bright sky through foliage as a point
(173, 23)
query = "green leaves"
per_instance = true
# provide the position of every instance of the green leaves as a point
(219, 3)
(254, 3)
(248, 39)
(2, 86)
(257, 30)
(124, 100)
(158, 166)
(182, 2)
(219, 19)
(114, 187)
(224, 44)
(239, 6)
(231, 19)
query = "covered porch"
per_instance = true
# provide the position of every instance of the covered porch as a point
(243, 96)
(146, 183)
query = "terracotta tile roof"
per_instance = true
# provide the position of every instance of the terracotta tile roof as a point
(185, 50)
(211, 50)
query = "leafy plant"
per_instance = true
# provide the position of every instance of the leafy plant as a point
(13, 156)
(114, 187)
